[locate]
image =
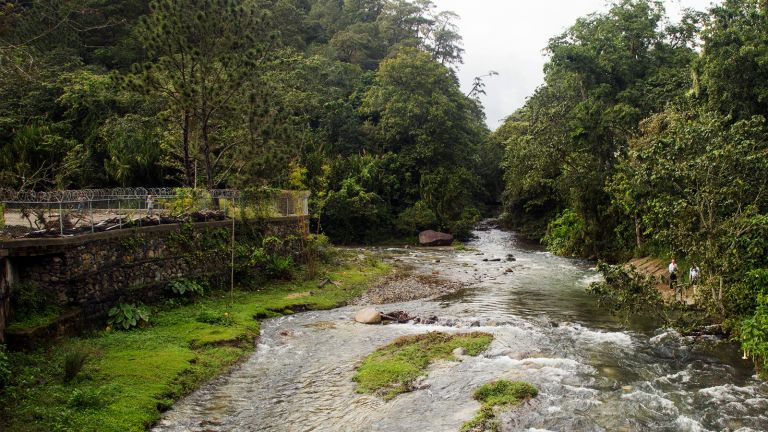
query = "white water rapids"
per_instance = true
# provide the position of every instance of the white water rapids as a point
(593, 375)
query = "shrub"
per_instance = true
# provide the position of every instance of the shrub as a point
(5, 367)
(416, 218)
(86, 398)
(754, 334)
(2, 216)
(319, 245)
(564, 234)
(186, 288)
(269, 259)
(29, 299)
(126, 316)
(462, 229)
(279, 267)
(215, 317)
(186, 201)
(73, 364)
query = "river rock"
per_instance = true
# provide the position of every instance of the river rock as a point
(434, 238)
(460, 351)
(368, 316)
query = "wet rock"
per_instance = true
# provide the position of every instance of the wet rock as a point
(627, 389)
(474, 324)
(508, 270)
(511, 257)
(428, 320)
(460, 351)
(420, 384)
(434, 238)
(368, 316)
(399, 317)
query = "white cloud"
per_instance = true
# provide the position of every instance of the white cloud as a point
(508, 36)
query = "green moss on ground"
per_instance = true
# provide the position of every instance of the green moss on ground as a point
(392, 369)
(131, 377)
(500, 393)
(37, 319)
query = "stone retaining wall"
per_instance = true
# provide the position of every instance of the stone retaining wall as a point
(92, 273)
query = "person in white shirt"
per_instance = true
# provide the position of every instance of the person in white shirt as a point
(673, 277)
(693, 277)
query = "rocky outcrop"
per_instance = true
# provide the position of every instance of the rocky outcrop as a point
(434, 238)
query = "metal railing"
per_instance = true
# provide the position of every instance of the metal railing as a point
(73, 212)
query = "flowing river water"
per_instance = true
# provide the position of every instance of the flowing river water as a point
(593, 373)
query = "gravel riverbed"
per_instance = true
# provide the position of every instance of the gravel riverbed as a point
(404, 286)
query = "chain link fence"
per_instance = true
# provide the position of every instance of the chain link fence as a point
(31, 214)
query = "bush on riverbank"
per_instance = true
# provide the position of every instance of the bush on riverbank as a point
(392, 369)
(131, 377)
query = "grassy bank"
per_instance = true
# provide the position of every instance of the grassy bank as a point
(130, 377)
(392, 369)
(500, 393)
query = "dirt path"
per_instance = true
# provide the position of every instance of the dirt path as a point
(657, 269)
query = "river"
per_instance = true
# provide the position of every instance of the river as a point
(593, 373)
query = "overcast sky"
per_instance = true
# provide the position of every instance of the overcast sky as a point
(508, 36)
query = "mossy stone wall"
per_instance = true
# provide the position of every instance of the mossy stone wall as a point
(92, 273)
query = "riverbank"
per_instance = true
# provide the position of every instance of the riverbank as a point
(657, 269)
(129, 378)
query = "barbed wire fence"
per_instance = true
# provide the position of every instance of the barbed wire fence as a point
(31, 214)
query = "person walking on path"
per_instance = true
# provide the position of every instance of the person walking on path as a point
(693, 277)
(673, 279)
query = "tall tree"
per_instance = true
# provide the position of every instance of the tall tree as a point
(203, 53)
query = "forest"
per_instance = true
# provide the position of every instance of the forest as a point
(650, 138)
(357, 101)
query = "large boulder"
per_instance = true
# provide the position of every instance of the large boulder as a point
(368, 316)
(434, 238)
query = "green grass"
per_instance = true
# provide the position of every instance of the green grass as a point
(130, 377)
(497, 394)
(38, 319)
(392, 369)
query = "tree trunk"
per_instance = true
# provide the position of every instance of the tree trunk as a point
(207, 156)
(638, 232)
(188, 174)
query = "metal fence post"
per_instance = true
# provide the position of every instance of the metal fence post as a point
(61, 220)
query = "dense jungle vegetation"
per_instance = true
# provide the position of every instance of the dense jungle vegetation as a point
(357, 101)
(650, 138)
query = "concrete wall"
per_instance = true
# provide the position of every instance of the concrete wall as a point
(91, 273)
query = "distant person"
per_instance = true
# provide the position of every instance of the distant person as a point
(693, 277)
(150, 204)
(673, 277)
(80, 203)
